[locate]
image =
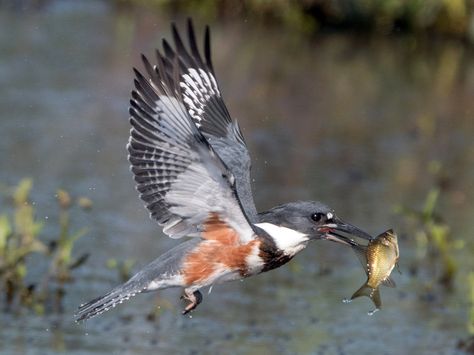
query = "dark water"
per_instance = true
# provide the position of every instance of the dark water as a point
(349, 120)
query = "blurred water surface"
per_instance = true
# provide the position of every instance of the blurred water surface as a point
(349, 120)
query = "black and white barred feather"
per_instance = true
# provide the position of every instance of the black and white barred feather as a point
(161, 273)
(196, 88)
(179, 176)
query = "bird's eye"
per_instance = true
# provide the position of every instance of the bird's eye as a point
(317, 217)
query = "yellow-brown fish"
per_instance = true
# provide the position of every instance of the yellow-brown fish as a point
(379, 258)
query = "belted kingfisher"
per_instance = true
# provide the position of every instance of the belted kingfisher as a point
(192, 169)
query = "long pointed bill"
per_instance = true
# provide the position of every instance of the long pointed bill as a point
(332, 232)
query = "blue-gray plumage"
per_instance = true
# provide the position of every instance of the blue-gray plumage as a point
(192, 170)
(165, 269)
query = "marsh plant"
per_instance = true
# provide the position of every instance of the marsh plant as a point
(452, 18)
(25, 250)
(470, 323)
(435, 245)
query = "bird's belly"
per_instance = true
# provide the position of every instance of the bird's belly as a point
(212, 262)
(224, 275)
(220, 274)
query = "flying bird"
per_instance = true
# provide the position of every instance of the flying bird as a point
(192, 170)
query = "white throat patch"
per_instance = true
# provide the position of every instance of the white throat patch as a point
(286, 239)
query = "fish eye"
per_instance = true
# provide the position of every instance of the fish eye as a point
(317, 217)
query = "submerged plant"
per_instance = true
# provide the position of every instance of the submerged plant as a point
(21, 237)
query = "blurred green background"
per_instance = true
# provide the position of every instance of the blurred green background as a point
(365, 105)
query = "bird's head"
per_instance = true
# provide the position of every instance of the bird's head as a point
(314, 220)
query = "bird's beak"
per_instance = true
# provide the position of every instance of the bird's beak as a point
(332, 232)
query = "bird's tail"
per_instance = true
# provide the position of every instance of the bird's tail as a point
(161, 273)
(102, 304)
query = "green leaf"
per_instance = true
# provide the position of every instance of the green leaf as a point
(22, 191)
(112, 263)
(430, 203)
(5, 231)
(21, 270)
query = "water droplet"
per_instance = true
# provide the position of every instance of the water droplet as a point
(371, 313)
(46, 217)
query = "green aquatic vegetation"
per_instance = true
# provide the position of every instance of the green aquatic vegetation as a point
(23, 242)
(18, 240)
(470, 324)
(62, 261)
(434, 241)
(446, 17)
(467, 344)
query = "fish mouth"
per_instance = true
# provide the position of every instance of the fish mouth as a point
(341, 232)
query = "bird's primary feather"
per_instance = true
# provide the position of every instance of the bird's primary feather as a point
(179, 176)
(197, 89)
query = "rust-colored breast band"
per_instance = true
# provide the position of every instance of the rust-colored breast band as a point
(219, 249)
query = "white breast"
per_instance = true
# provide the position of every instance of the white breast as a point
(286, 239)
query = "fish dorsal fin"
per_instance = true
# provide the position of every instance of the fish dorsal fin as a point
(389, 282)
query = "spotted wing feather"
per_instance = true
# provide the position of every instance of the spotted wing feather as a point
(200, 95)
(178, 174)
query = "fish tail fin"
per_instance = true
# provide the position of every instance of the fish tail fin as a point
(364, 290)
(372, 293)
(376, 299)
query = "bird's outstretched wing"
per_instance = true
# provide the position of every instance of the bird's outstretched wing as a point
(200, 95)
(186, 186)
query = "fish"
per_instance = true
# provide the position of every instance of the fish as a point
(378, 258)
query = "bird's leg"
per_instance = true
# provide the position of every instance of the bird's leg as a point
(194, 297)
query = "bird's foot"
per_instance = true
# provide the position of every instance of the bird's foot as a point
(195, 298)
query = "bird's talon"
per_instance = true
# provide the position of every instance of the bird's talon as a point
(189, 308)
(194, 298)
